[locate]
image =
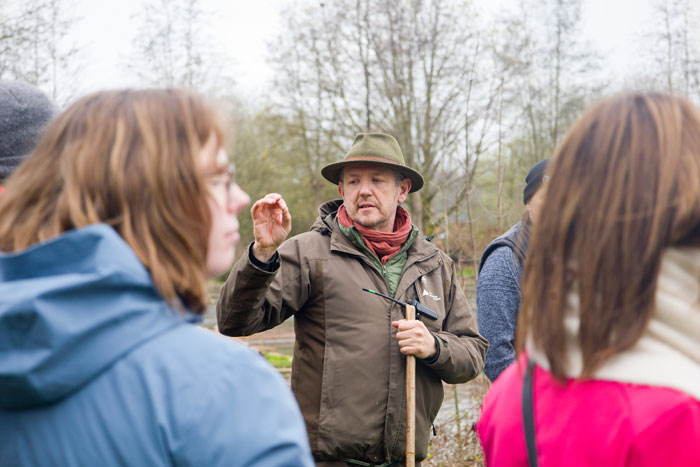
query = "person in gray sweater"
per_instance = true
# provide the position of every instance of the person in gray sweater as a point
(498, 293)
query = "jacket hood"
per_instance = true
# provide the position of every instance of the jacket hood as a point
(69, 308)
(326, 214)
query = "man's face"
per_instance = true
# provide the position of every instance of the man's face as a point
(371, 194)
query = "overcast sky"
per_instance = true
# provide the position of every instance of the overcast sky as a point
(243, 27)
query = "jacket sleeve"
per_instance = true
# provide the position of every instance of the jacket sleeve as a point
(253, 300)
(461, 350)
(498, 301)
(244, 415)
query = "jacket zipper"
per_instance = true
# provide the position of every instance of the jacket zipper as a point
(379, 270)
(382, 271)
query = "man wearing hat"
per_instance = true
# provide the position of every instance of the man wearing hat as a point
(348, 369)
(498, 285)
(24, 112)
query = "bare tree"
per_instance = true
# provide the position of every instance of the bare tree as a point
(306, 65)
(403, 74)
(672, 47)
(550, 75)
(35, 46)
(172, 47)
(472, 105)
(479, 97)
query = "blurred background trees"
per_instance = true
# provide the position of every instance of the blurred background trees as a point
(35, 47)
(475, 96)
(172, 47)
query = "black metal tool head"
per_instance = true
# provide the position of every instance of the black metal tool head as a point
(420, 308)
(423, 310)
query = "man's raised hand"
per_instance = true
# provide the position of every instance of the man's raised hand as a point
(271, 225)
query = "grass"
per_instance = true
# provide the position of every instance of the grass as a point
(278, 360)
(467, 272)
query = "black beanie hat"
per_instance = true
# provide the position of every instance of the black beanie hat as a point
(24, 112)
(534, 179)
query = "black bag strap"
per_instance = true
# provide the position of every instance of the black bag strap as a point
(529, 414)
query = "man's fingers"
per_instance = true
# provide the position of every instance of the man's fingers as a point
(256, 207)
(408, 335)
(413, 334)
(260, 208)
(271, 205)
(405, 325)
(414, 338)
(410, 349)
(271, 197)
(409, 342)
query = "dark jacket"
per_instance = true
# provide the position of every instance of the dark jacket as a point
(348, 374)
(97, 369)
(516, 238)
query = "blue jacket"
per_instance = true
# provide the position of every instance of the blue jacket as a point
(97, 369)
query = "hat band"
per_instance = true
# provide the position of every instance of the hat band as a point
(371, 159)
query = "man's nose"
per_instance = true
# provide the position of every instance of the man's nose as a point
(365, 186)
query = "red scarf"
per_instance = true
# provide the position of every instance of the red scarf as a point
(383, 244)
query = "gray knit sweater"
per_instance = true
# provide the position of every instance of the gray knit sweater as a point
(498, 300)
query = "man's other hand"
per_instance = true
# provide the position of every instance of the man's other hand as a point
(414, 338)
(271, 225)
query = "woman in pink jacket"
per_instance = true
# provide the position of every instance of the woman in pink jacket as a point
(609, 332)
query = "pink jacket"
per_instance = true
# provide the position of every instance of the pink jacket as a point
(589, 423)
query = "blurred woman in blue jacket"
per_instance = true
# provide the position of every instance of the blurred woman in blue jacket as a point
(108, 231)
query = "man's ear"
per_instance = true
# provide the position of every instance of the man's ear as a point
(404, 187)
(340, 189)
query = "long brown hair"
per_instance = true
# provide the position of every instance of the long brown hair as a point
(625, 184)
(129, 159)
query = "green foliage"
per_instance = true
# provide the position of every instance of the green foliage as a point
(467, 271)
(278, 360)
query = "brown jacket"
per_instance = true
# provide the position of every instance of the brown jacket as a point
(348, 373)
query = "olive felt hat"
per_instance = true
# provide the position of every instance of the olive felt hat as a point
(374, 148)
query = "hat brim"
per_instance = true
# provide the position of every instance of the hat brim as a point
(331, 172)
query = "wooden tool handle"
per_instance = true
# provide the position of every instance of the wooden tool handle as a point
(410, 400)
